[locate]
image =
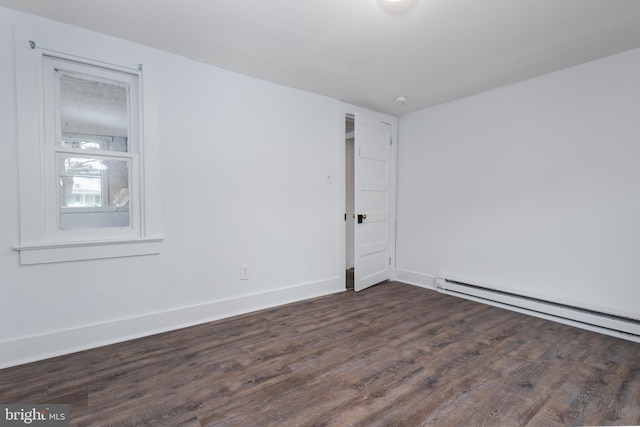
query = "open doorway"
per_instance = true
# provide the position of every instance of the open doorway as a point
(349, 198)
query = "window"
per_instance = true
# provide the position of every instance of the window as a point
(91, 117)
(84, 176)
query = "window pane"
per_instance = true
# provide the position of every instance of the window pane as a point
(94, 192)
(93, 114)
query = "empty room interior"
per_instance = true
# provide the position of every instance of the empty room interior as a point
(340, 213)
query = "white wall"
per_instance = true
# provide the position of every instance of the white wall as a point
(532, 188)
(243, 181)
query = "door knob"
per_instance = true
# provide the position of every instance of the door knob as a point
(361, 217)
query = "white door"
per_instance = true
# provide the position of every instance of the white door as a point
(372, 190)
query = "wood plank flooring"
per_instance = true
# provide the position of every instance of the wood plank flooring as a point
(392, 355)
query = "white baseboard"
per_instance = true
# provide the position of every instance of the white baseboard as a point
(416, 279)
(39, 347)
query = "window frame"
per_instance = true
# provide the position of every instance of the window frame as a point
(54, 68)
(41, 239)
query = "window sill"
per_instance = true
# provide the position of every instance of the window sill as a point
(43, 253)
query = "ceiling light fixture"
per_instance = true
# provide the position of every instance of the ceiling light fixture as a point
(397, 6)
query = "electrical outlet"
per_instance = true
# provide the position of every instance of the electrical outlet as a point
(244, 272)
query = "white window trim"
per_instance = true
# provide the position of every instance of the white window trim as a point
(37, 243)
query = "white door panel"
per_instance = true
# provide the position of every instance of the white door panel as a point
(372, 192)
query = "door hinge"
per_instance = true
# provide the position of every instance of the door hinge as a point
(390, 141)
(389, 260)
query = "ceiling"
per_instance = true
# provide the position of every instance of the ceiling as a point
(362, 53)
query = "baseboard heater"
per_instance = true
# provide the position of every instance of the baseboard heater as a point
(619, 326)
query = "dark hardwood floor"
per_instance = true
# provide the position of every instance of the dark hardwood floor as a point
(392, 355)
